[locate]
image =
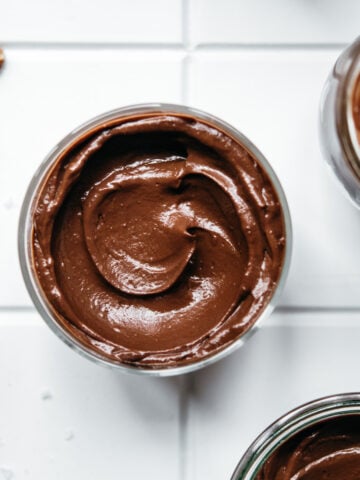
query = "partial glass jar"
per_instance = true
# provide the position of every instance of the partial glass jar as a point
(25, 235)
(291, 424)
(340, 120)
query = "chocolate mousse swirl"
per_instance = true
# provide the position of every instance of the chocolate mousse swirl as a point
(330, 451)
(157, 240)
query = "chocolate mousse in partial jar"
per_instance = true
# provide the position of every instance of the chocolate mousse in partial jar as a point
(154, 239)
(317, 441)
(340, 120)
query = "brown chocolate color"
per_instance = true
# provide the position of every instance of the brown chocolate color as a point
(356, 107)
(329, 450)
(2, 57)
(157, 240)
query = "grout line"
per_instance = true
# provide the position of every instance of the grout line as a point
(19, 316)
(184, 427)
(213, 47)
(17, 308)
(185, 22)
(316, 309)
(92, 46)
(185, 45)
(316, 320)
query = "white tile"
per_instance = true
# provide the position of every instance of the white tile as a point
(62, 416)
(111, 21)
(273, 97)
(44, 94)
(292, 360)
(278, 21)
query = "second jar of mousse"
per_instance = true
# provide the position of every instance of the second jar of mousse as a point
(317, 441)
(340, 120)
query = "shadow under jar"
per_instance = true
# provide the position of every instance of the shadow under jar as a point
(340, 120)
(154, 238)
(317, 441)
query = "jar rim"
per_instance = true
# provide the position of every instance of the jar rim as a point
(289, 425)
(25, 230)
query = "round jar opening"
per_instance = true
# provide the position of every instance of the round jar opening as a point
(176, 171)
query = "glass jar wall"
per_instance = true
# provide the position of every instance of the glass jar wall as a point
(340, 120)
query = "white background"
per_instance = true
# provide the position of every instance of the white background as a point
(259, 65)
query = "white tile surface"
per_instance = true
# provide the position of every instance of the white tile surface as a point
(92, 21)
(273, 98)
(64, 417)
(44, 94)
(292, 360)
(275, 22)
(60, 415)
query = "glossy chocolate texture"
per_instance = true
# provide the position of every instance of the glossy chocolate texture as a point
(157, 240)
(327, 451)
(356, 107)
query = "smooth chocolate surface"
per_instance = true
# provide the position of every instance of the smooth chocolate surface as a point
(327, 451)
(356, 107)
(157, 240)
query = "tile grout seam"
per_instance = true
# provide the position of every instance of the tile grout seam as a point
(293, 309)
(17, 309)
(184, 457)
(183, 46)
(206, 47)
(178, 46)
(185, 34)
(185, 390)
(185, 22)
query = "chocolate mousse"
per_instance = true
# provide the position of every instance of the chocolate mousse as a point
(157, 239)
(326, 451)
(2, 57)
(356, 107)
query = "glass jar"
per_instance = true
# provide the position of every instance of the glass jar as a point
(289, 425)
(340, 120)
(25, 235)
